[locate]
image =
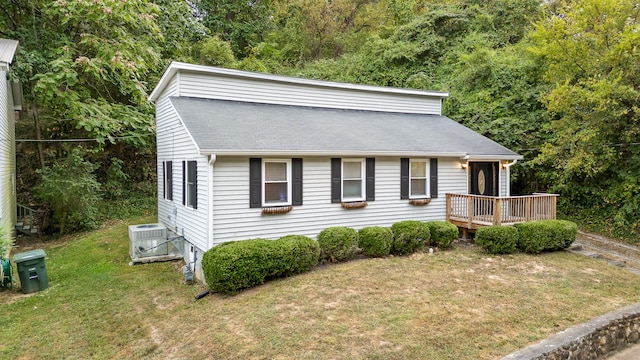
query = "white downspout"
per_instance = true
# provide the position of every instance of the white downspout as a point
(212, 160)
(508, 168)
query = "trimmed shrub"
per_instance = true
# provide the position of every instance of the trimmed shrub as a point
(409, 236)
(299, 254)
(375, 241)
(546, 235)
(442, 233)
(337, 244)
(235, 266)
(498, 239)
(231, 267)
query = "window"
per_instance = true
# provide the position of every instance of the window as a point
(276, 184)
(190, 184)
(418, 180)
(167, 175)
(352, 180)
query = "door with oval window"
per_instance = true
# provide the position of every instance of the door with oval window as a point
(484, 178)
(483, 181)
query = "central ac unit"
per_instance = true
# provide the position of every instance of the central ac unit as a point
(147, 240)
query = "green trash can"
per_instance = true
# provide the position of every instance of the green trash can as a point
(32, 271)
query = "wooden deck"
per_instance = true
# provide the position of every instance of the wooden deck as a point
(470, 212)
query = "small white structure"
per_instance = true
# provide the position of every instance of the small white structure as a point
(245, 155)
(9, 103)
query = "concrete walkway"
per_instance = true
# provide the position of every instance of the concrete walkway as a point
(631, 353)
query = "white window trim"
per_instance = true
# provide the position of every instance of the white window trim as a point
(165, 178)
(426, 179)
(187, 190)
(289, 182)
(363, 176)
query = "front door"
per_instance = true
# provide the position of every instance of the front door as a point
(484, 178)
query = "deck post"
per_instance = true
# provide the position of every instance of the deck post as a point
(470, 212)
(497, 211)
(527, 209)
(448, 216)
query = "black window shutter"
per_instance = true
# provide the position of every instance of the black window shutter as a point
(404, 178)
(164, 183)
(255, 182)
(184, 183)
(336, 180)
(296, 174)
(194, 177)
(371, 179)
(433, 169)
(169, 188)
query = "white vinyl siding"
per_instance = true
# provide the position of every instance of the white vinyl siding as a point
(233, 220)
(7, 156)
(175, 144)
(209, 86)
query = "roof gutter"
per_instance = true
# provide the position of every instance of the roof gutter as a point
(218, 152)
(514, 158)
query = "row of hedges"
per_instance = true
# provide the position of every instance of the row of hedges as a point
(403, 238)
(531, 237)
(234, 266)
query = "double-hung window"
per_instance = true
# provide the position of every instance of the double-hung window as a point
(275, 182)
(190, 184)
(353, 180)
(276, 185)
(167, 175)
(418, 179)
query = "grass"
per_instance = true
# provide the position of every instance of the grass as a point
(456, 304)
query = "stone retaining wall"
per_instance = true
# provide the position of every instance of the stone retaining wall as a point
(594, 340)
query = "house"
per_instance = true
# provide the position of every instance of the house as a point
(10, 101)
(246, 155)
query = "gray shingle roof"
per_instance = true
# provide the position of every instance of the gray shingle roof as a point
(231, 127)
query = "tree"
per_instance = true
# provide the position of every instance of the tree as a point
(591, 48)
(71, 190)
(242, 23)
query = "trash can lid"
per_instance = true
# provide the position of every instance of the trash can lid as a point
(28, 255)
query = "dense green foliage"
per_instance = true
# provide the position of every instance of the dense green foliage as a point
(375, 241)
(70, 188)
(498, 239)
(555, 81)
(409, 236)
(337, 244)
(234, 266)
(594, 150)
(443, 233)
(546, 235)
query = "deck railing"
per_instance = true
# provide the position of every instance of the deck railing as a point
(474, 211)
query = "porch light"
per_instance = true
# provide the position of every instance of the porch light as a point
(465, 162)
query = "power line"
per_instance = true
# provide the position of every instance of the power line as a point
(569, 147)
(84, 140)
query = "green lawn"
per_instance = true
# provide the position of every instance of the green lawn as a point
(456, 304)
